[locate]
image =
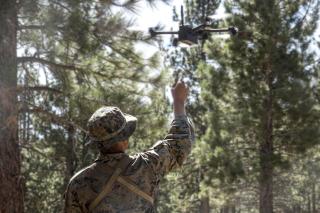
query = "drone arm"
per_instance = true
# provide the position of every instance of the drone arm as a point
(154, 33)
(165, 32)
(232, 30)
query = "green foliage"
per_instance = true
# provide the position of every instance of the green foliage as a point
(270, 69)
(78, 56)
(247, 73)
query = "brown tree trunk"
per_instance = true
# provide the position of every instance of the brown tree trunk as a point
(225, 209)
(233, 209)
(204, 205)
(11, 190)
(309, 203)
(266, 154)
(70, 155)
(314, 207)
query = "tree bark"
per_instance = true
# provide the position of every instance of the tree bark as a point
(314, 207)
(70, 155)
(309, 203)
(266, 153)
(11, 186)
(204, 205)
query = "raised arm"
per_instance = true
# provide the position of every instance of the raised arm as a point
(179, 94)
(173, 150)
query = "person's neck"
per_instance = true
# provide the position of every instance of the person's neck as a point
(108, 152)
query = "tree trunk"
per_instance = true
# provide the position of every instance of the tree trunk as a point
(204, 205)
(309, 203)
(314, 207)
(233, 209)
(266, 154)
(225, 209)
(70, 155)
(11, 190)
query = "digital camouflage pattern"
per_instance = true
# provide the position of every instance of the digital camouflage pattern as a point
(109, 125)
(146, 170)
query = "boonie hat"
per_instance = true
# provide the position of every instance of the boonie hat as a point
(109, 125)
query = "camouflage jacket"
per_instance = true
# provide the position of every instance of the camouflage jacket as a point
(145, 170)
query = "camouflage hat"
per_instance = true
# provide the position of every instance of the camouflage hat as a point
(109, 125)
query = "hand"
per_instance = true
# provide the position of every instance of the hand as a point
(179, 92)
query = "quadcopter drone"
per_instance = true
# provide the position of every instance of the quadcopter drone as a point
(188, 35)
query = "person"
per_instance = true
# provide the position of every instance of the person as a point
(117, 182)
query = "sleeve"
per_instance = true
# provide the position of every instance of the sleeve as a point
(171, 152)
(71, 205)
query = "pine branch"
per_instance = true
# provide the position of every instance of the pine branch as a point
(31, 27)
(61, 5)
(37, 27)
(31, 59)
(52, 117)
(301, 21)
(38, 88)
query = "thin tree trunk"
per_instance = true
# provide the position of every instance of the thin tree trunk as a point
(70, 154)
(11, 190)
(309, 203)
(204, 205)
(266, 154)
(225, 209)
(314, 208)
(233, 209)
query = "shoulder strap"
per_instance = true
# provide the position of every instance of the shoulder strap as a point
(121, 165)
(134, 188)
(125, 181)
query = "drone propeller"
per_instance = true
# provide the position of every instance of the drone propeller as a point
(154, 33)
(187, 34)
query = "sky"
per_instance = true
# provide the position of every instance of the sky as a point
(160, 14)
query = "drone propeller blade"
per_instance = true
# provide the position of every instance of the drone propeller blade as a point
(182, 15)
(154, 33)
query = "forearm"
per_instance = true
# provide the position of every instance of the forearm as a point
(171, 152)
(179, 108)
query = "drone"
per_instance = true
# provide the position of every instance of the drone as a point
(192, 35)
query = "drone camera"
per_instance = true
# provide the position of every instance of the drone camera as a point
(187, 35)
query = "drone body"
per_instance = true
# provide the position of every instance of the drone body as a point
(188, 35)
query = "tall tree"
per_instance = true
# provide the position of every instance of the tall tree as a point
(266, 81)
(191, 192)
(11, 181)
(67, 50)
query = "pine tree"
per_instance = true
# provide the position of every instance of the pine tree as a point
(11, 181)
(190, 195)
(70, 53)
(266, 81)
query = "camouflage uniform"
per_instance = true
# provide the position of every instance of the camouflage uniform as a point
(145, 170)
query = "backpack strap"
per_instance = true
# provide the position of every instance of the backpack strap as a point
(134, 188)
(125, 181)
(121, 165)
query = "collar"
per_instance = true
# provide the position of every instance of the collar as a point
(111, 156)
